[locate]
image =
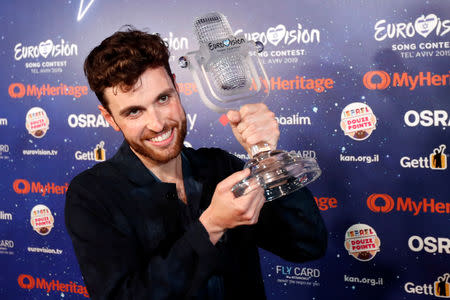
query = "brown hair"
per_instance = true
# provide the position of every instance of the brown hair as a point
(121, 59)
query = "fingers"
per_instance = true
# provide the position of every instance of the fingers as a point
(250, 206)
(230, 181)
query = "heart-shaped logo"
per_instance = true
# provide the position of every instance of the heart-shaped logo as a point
(45, 48)
(276, 34)
(425, 25)
(226, 42)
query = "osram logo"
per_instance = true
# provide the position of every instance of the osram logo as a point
(380, 80)
(18, 90)
(29, 282)
(384, 203)
(23, 186)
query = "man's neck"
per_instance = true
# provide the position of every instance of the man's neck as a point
(170, 171)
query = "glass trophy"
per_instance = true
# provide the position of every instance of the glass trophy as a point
(228, 74)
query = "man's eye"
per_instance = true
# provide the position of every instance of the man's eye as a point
(134, 112)
(164, 98)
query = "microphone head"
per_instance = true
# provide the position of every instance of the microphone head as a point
(212, 27)
(228, 71)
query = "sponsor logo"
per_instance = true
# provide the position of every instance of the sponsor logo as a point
(23, 186)
(423, 25)
(41, 219)
(3, 122)
(437, 160)
(46, 49)
(301, 153)
(6, 247)
(5, 216)
(282, 36)
(29, 282)
(429, 244)
(40, 152)
(86, 120)
(37, 122)
(364, 280)
(380, 80)
(318, 85)
(98, 154)
(384, 203)
(439, 288)
(4, 150)
(18, 90)
(44, 250)
(324, 203)
(362, 242)
(294, 119)
(427, 118)
(361, 158)
(290, 274)
(358, 121)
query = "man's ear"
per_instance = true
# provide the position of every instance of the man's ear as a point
(108, 117)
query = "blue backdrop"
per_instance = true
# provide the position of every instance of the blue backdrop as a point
(363, 86)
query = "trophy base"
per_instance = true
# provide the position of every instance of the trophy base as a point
(279, 173)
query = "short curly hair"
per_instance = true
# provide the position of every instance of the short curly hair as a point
(122, 58)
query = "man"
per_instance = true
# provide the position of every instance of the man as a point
(159, 221)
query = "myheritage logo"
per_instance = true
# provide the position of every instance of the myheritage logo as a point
(384, 203)
(380, 80)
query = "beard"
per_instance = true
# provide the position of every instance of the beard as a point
(162, 156)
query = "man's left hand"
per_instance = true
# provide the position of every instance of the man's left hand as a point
(254, 124)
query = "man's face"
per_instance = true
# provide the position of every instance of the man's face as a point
(150, 116)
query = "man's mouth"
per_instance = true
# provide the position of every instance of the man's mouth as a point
(163, 137)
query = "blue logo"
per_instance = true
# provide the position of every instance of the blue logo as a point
(226, 42)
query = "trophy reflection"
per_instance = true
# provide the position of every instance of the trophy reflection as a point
(228, 74)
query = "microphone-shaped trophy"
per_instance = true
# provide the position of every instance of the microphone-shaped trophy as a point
(228, 76)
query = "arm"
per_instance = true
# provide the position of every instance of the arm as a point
(114, 263)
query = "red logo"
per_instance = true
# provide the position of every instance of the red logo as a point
(383, 203)
(324, 203)
(23, 186)
(26, 281)
(388, 203)
(16, 94)
(369, 82)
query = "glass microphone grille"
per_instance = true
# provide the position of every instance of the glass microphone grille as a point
(212, 27)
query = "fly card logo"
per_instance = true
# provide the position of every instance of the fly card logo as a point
(439, 288)
(4, 151)
(6, 247)
(282, 36)
(294, 275)
(45, 57)
(384, 203)
(98, 154)
(436, 160)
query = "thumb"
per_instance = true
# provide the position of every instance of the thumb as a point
(230, 181)
(234, 116)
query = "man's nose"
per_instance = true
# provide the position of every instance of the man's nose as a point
(155, 121)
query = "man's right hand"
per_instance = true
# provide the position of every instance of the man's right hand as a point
(226, 211)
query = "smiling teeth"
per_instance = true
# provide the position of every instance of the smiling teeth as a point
(162, 137)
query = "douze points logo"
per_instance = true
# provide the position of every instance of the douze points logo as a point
(362, 242)
(384, 203)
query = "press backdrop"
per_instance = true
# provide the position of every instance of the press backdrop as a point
(362, 86)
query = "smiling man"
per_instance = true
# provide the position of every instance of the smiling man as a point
(159, 221)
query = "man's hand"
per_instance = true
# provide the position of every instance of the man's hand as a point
(226, 211)
(254, 124)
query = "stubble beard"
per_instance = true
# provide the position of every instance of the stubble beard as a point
(162, 156)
